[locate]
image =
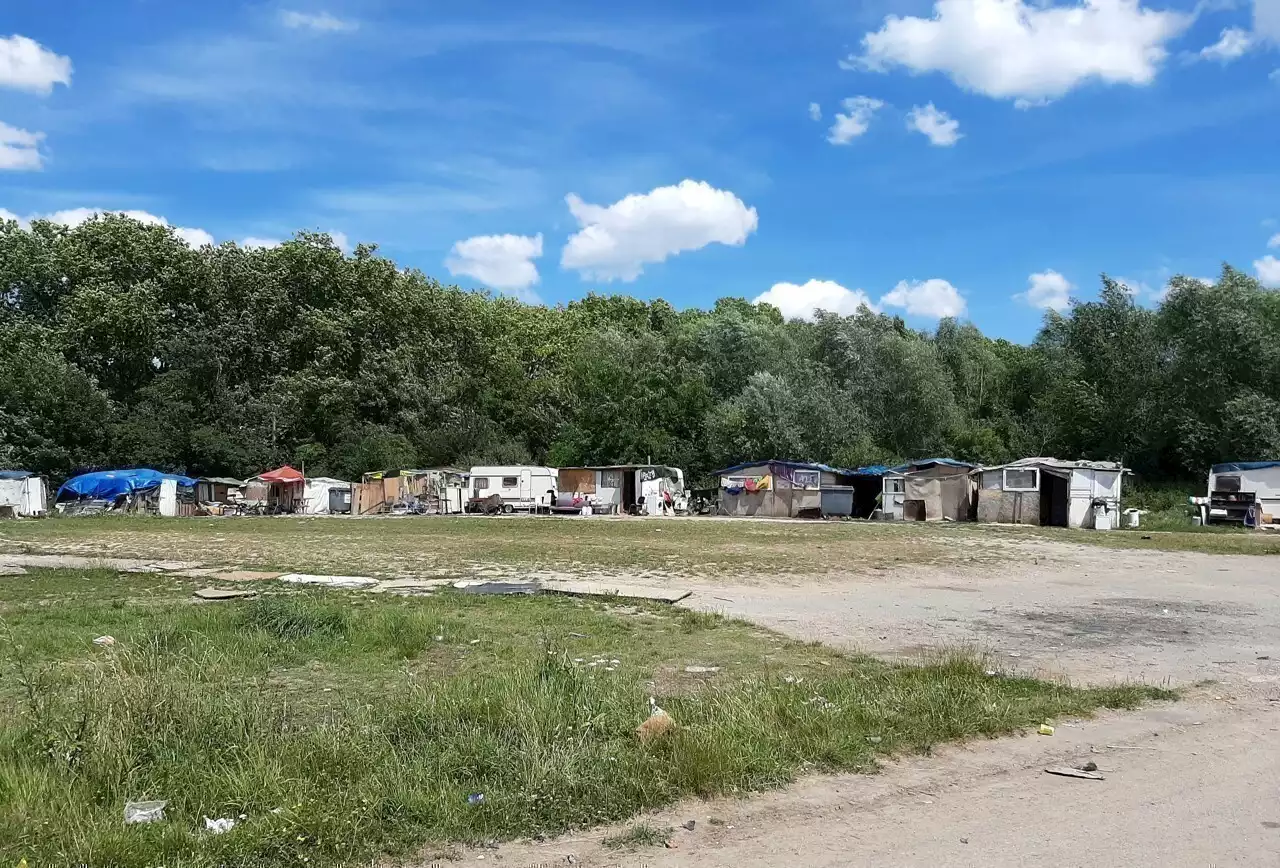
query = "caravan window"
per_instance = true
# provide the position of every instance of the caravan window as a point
(482, 483)
(510, 481)
(806, 478)
(1022, 479)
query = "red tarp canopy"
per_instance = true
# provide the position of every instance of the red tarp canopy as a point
(285, 474)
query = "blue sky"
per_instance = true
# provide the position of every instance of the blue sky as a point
(980, 157)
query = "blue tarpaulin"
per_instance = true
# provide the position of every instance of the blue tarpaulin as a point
(110, 484)
(1237, 466)
(16, 474)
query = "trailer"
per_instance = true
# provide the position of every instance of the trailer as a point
(521, 487)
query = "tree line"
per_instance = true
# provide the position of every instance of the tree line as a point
(121, 346)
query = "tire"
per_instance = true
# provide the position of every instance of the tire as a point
(507, 509)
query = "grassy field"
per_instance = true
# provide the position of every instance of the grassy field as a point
(460, 547)
(340, 728)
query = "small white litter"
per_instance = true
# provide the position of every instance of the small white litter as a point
(219, 826)
(701, 670)
(105, 641)
(349, 582)
(143, 812)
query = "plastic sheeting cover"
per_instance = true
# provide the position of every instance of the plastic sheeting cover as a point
(110, 484)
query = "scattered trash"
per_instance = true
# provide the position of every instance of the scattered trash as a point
(1068, 772)
(689, 824)
(475, 799)
(1090, 766)
(1046, 729)
(700, 670)
(1015, 654)
(874, 739)
(143, 812)
(964, 840)
(671, 845)
(223, 594)
(219, 826)
(474, 642)
(657, 724)
(491, 844)
(105, 641)
(579, 636)
(1264, 657)
(991, 673)
(571, 858)
(791, 679)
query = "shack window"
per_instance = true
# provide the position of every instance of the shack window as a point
(894, 485)
(610, 478)
(482, 483)
(1022, 479)
(510, 482)
(806, 478)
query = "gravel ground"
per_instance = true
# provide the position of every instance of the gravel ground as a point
(1192, 783)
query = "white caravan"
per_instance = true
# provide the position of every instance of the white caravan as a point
(527, 488)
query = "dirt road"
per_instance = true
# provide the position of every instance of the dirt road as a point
(1193, 783)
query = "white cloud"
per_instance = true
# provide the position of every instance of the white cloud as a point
(815, 111)
(1268, 269)
(320, 21)
(800, 302)
(1009, 49)
(255, 243)
(616, 241)
(341, 241)
(1047, 290)
(941, 129)
(27, 65)
(504, 262)
(934, 298)
(1275, 240)
(73, 217)
(194, 237)
(1266, 23)
(855, 119)
(19, 149)
(1232, 44)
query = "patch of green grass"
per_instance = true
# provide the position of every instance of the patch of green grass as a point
(639, 835)
(344, 728)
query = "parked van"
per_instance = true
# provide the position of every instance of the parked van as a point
(525, 488)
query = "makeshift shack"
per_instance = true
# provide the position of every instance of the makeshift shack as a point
(785, 489)
(22, 494)
(937, 489)
(284, 490)
(877, 487)
(641, 489)
(1244, 492)
(432, 491)
(218, 489)
(323, 495)
(136, 490)
(1051, 492)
